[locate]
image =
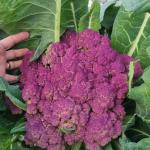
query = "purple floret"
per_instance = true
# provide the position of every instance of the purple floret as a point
(42, 134)
(75, 91)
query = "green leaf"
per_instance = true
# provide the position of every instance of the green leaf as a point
(144, 144)
(104, 7)
(7, 121)
(109, 17)
(17, 145)
(54, 28)
(141, 95)
(116, 145)
(13, 92)
(144, 54)
(19, 127)
(2, 34)
(138, 131)
(42, 46)
(45, 20)
(107, 147)
(140, 34)
(2, 102)
(128, 122)
(71, 12)
(91, 19)
(5, 142)
(136, 5)
(129, 31)
(76, 146)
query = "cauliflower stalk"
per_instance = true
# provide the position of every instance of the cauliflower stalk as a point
(75, 92)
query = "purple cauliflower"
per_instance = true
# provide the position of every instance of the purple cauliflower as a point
(75, 92)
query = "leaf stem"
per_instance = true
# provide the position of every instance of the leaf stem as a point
(136, 41)
(57, 20)
(74, 15)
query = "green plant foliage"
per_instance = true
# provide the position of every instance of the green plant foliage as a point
(13, 92)
(91, 20)
(144, 144)
(141, 95)
(136, 5)
(19, 126)
(104, 6)
(130, 33)
(2, 102)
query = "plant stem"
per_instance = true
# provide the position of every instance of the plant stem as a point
(57, 20)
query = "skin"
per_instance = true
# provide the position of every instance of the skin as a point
(7, 55)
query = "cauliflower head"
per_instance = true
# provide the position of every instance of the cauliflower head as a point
(75, 91)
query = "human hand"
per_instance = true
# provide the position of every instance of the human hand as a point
(7, 55)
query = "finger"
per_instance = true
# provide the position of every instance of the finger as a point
(10, 41)
(2, 50)
(11, 78)
(14, 64)
(11, 54)
(2, 63)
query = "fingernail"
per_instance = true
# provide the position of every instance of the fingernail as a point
(26, 33)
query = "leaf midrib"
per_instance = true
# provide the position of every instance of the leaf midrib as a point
(74, 15)
(140, 131)
(57, 20)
